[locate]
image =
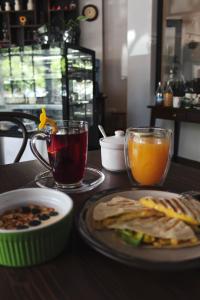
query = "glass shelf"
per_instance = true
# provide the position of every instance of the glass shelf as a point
(34, 106)
(25, 26)
(16, 11)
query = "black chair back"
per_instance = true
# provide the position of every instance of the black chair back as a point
(17, 118)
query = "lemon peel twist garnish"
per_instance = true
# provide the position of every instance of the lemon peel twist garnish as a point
(44, 120)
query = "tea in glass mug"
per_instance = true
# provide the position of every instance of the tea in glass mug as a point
(147, 154)
(67, 152)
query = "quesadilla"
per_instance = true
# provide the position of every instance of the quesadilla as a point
(120, 209)
(139, 222)
(159, 231)
(187, 210)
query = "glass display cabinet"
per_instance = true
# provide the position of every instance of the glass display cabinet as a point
(61, 78)
(178, 55)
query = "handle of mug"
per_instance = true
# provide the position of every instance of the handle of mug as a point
(34, 150)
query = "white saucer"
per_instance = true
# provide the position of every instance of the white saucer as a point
(92, 178)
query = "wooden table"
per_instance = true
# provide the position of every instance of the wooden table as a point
(177, 115)
(82, 273)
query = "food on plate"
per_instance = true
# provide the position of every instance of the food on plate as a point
(157, 230)
(23, 217)
(187, 210)
(120, 209)
(153, 221)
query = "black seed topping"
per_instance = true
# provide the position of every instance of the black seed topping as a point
(34, 222)
(25, 216)
(44, 217)
(25, 209)
(35, 211)
(53, 213)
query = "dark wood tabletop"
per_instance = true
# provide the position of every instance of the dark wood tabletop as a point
(82, 273)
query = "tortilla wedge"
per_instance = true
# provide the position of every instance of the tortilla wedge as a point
(120, 209)
(159, 227)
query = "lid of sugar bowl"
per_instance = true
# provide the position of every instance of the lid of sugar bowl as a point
(114, 142)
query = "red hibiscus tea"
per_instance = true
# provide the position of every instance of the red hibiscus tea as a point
(67, 151)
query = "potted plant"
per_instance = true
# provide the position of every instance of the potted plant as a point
(72, 31)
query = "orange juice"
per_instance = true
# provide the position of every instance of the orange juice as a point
(148, 157)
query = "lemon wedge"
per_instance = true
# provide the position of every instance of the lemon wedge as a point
(44, 120)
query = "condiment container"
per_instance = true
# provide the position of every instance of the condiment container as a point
(176, 102)
(112, 152)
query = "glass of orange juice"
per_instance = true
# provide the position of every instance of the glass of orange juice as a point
(147, 155)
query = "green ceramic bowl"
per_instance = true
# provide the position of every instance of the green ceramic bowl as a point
(35, 245)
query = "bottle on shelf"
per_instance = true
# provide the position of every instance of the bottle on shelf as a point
(72, 5)
(171, 75)
(30, 5)
(188, 98)
(159, 94)
(17, 5)
(176, 102)
(7, 6)
(5, 35)
(177, 81)
(168, 95)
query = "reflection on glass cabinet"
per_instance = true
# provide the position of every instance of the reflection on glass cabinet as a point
(81, 84)
(61, 78)
(180, 57)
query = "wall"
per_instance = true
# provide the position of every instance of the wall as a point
(92, 32)
(108, 37)
(141, 35)
(115, 63)
(115, 54)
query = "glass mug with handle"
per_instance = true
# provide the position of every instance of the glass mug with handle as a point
(67, 152)
(147, 155)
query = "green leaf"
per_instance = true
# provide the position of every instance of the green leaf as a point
(81, 18)
(74, 23)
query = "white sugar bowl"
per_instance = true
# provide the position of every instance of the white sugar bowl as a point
(112, 152)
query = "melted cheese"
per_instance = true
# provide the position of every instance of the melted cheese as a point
(169, 212)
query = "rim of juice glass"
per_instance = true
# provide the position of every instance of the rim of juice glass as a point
(146, 132)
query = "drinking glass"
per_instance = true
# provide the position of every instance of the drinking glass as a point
(67, 152)
(147, 155)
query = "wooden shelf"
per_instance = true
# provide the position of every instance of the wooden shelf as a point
(43, 13)
(16, 11)
(57, 10)
(61, 10)
(25, 26)
(5, 42)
